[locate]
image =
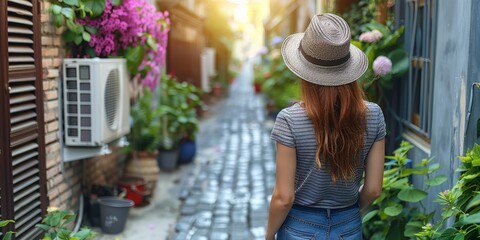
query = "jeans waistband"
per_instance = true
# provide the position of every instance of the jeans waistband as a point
(324, 210)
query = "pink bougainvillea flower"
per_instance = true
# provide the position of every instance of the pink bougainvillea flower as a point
(128, 25)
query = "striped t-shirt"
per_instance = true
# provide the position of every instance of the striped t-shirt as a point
(314, 187)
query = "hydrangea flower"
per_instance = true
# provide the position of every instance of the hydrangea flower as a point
(382, 66)
(377, 34)
(370, 37)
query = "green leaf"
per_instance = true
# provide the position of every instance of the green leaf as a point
(436, 181)
(56, 9)
(69, 36)
(393, 210)
(476, 151)
(400, 184)
(91, 30)
(400, 62)
(8, 235)
(84, 233)
(357, 44)
(71, 25)
(474, 202)
(117, 2)
(472, 219)
(470, 176)
(43, 226)
(369, 216)
(412, 228)
(460, 236)
(68, 13)
(151, 43)
(86, 36)
(134, 58)
(89, 50)
(71, 2)
(78, 40)
(448, 234)
(4, 223)
(411, 194)
(434, 167)
(58, 20)
(95, 6)
(380, 27)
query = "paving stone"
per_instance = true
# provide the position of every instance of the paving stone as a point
(228, 197)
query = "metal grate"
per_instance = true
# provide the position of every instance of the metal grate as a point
(417, 90)
(112, 99)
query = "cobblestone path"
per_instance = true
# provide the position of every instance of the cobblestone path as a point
(228, 196)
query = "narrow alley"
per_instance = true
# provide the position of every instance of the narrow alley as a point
(228, 199)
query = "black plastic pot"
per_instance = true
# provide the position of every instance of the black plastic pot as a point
(167, 160)
(114, 214)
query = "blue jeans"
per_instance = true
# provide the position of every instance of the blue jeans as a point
(312, 223)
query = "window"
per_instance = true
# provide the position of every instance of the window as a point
(22, 147)
(417, 87)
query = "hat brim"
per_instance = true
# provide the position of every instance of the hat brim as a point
(342, 74)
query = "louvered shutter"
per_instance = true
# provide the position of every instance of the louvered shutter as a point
(24, 193)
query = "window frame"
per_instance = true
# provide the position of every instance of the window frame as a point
(420, 64)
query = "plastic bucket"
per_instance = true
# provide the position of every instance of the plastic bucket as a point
(134, 188)
(167, 160)
(113, 214)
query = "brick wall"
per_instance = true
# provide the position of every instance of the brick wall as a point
(64, 181)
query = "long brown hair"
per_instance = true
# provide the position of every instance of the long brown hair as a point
(338, 117)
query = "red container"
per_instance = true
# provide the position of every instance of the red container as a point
(134, 188)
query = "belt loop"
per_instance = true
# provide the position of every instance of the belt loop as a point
(328, 212)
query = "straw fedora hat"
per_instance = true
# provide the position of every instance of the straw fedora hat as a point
(323, 54)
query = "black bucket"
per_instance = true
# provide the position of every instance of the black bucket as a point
(113, 214)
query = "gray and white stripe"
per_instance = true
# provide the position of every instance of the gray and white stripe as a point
(314, 187)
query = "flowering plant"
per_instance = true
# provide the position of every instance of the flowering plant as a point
(386, 57)
(129, 28)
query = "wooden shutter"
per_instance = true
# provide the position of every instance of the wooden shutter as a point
(23, 184)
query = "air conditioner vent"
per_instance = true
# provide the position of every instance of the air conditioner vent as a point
(96, 103)
(112, 98)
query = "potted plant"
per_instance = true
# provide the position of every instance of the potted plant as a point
(188, 121)
(143, 141)
(178, 119)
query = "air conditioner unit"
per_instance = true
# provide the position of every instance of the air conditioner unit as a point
(96, 101)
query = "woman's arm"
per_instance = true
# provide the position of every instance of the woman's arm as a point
(283, 193)
(372, 188)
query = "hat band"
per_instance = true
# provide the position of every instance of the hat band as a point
(321, 62)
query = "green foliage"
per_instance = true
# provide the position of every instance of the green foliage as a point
(461, 203)
(359, 14)
(65, 13)
(392, 215)
(282, 87)
(390, 47)
(56, 223)
(8, 235)
(144, 134)
(177, 111)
